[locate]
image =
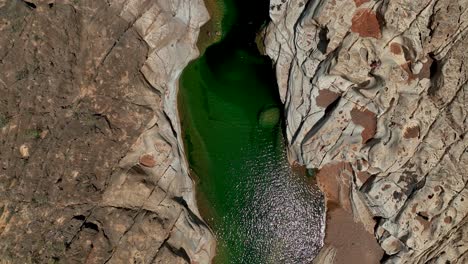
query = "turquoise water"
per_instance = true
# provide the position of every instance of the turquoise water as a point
(260, 211)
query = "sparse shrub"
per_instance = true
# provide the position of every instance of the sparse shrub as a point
(33, 133)
(4, 121)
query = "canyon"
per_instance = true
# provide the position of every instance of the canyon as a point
(93, 167)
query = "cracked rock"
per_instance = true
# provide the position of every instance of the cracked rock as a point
(91, 164)
(399, 69)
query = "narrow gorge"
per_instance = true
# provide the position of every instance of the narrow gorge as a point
(260, 210)
(234, 131)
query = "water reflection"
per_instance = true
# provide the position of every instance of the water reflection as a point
(279, 217)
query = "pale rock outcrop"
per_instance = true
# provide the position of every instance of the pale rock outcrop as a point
(381, 85)
(92, 168)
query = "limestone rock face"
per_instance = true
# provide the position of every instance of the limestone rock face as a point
(381, 86)
(91, 163)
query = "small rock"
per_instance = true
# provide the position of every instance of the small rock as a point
(269, 117)
(392, 245)
(24, 151)
(448, 219)
(43, 134)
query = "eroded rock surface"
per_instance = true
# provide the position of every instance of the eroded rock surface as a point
(91, 168)
(381, 86)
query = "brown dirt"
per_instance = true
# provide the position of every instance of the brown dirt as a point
(148, 160)
(352, 242)
(366, 24)
(360, 2)
(367, 120)
(395, 48)
(326, 97)
(411, 132)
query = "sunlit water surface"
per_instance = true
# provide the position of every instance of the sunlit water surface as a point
(260, 210)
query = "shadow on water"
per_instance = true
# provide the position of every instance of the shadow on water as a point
(260, 211)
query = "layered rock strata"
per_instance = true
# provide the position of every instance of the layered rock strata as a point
(375, 96)
(91, 163)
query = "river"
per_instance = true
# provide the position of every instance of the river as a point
(260, 210)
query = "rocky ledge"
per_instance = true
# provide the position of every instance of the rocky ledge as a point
(91, 164)
(375, 96)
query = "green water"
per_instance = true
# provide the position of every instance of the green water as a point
(260, 211)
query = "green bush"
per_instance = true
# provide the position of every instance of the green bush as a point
(33, 133)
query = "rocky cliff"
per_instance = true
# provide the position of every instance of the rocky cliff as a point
(91, 167)
(375, 97)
